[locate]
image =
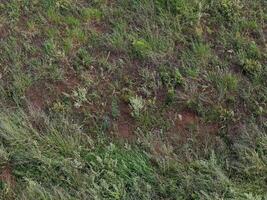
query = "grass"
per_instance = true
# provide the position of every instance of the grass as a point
(133, 99)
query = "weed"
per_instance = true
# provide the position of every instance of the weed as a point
(115, 108)
(91, 14)
(252, 66)
(225, 83)
(142, 48)
(79, 96)
(171, 77)
(137, 104)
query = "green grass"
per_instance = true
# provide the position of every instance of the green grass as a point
(63, 162)
(131, 99)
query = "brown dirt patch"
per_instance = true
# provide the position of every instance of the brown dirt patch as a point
(37, 95)
(110, 2)
(6, 176)
(3, 31)
(161, 95)
(124, 130)
(187, 124)
(99, 27)
(125, 123)
(185, 119)
(38, 40)
(43, 93)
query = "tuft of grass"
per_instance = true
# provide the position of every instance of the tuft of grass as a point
(63, 162)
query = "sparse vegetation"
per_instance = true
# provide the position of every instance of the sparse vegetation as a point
(133, 99)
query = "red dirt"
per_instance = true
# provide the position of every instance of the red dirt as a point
(3, 31)
(161, 95)
(158, 148)
(125, 123)
(110, 2)
(37, 96)
(98, 27)
(42, 94)
(185, 119)
(7, 177)
(124, 130)
(186, 123)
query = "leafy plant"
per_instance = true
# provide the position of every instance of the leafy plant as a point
(137, 104)
(171, 77)
(142, 48)
(252, 66)
(91, 14)
(79, 96)
(115, 108)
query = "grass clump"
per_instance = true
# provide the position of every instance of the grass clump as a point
(91, 14)
(69, 164)
(142, 48)
(137, 104)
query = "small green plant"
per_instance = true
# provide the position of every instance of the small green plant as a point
(77, 34)
(171, 77)
(192, 71)
(82, 60)
(188, 11)
(79, 96)
(202, 53)
(91, 14)
(151, 84)
(67, 45)
(60, 107)
(229, 9)
(50, 47)
(170, 96)
(115, 108)
(72, 21)
(137, 104)
(119, 38)
(54, 16)
(252, 66)
(142, 48)
(226, 114)
(224, 82)
(54, 71)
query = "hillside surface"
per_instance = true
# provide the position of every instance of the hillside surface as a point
(133, 99)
